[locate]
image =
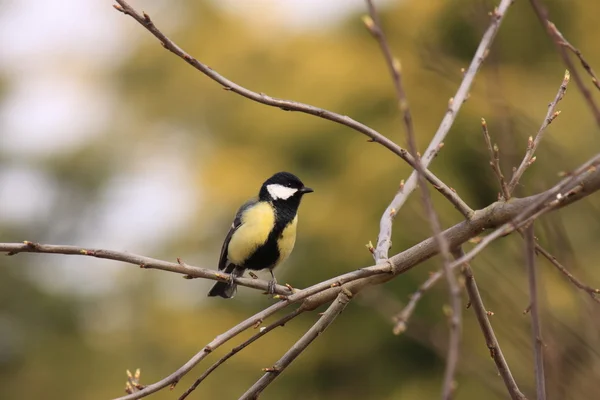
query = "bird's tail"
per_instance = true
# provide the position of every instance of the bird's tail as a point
(227, 289)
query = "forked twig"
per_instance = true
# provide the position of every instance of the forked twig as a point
(532, 144)
(319, 327)
(262, 331)
(386, 222)
(495, 163)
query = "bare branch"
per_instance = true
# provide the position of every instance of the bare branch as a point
(532, 144)
(536, 329)
(385, 225)
(263, 331)
(558, 39)
(288, 105)
(180, 267)
(488, 332)
(401, 319)
(174, 378)
(495, 160)
(494, 156)
(319, 327)
(576, 51)
(454, 290)
(593, 292)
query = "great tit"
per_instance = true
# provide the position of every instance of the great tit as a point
(263, 232)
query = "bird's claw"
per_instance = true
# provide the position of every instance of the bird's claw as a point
(271, 287)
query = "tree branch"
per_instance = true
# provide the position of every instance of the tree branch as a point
(495, 160)
(482, 315)
(319, 327)
(263, 331)
(385, 225)
(542, 13)
(288, 105)
(180, 267)
(536, 329)
(576, 51)
(532, 144)
(593, 292)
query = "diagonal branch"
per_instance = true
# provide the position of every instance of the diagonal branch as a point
(385, 225)
(288, 105)
(558, 39)
(263, 331)
(536, 329)
(593, 292)
(532, 144)
(454, 290)
(488, 332)
(318, 328)
(576, 51)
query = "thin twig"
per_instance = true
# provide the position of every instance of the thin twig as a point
(385, 225)
(488, 332)
(288, 105)
(174, 378)
(537, 208)
(532, 144)
(454, 290)
(558, 39)
(495, 160)
(495, 163)
(263, 331)
(576, 51)
(144, 262)
(536, 329)
(593, 292)
(318, 328)
(401, 319)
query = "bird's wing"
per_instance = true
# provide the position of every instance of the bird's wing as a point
(237, 222)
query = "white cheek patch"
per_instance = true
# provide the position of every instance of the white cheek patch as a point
(280, 192)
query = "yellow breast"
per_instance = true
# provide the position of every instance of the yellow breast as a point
(287, 241)
(257, 223)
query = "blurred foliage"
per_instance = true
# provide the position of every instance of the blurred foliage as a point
(67, 346)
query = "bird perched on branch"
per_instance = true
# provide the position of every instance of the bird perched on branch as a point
(263, 232)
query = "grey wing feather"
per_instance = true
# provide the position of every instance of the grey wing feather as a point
(237, 222)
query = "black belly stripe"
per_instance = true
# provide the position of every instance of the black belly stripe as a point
(267, 255)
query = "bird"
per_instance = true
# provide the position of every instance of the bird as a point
(263, 232)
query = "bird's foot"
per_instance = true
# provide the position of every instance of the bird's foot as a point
(272, 285)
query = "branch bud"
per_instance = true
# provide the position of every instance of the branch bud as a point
(369, 23)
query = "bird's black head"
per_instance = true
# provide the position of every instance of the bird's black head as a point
(283, 187)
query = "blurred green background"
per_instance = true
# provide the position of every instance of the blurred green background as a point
(109, 141)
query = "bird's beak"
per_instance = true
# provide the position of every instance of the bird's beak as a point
(305, 190)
